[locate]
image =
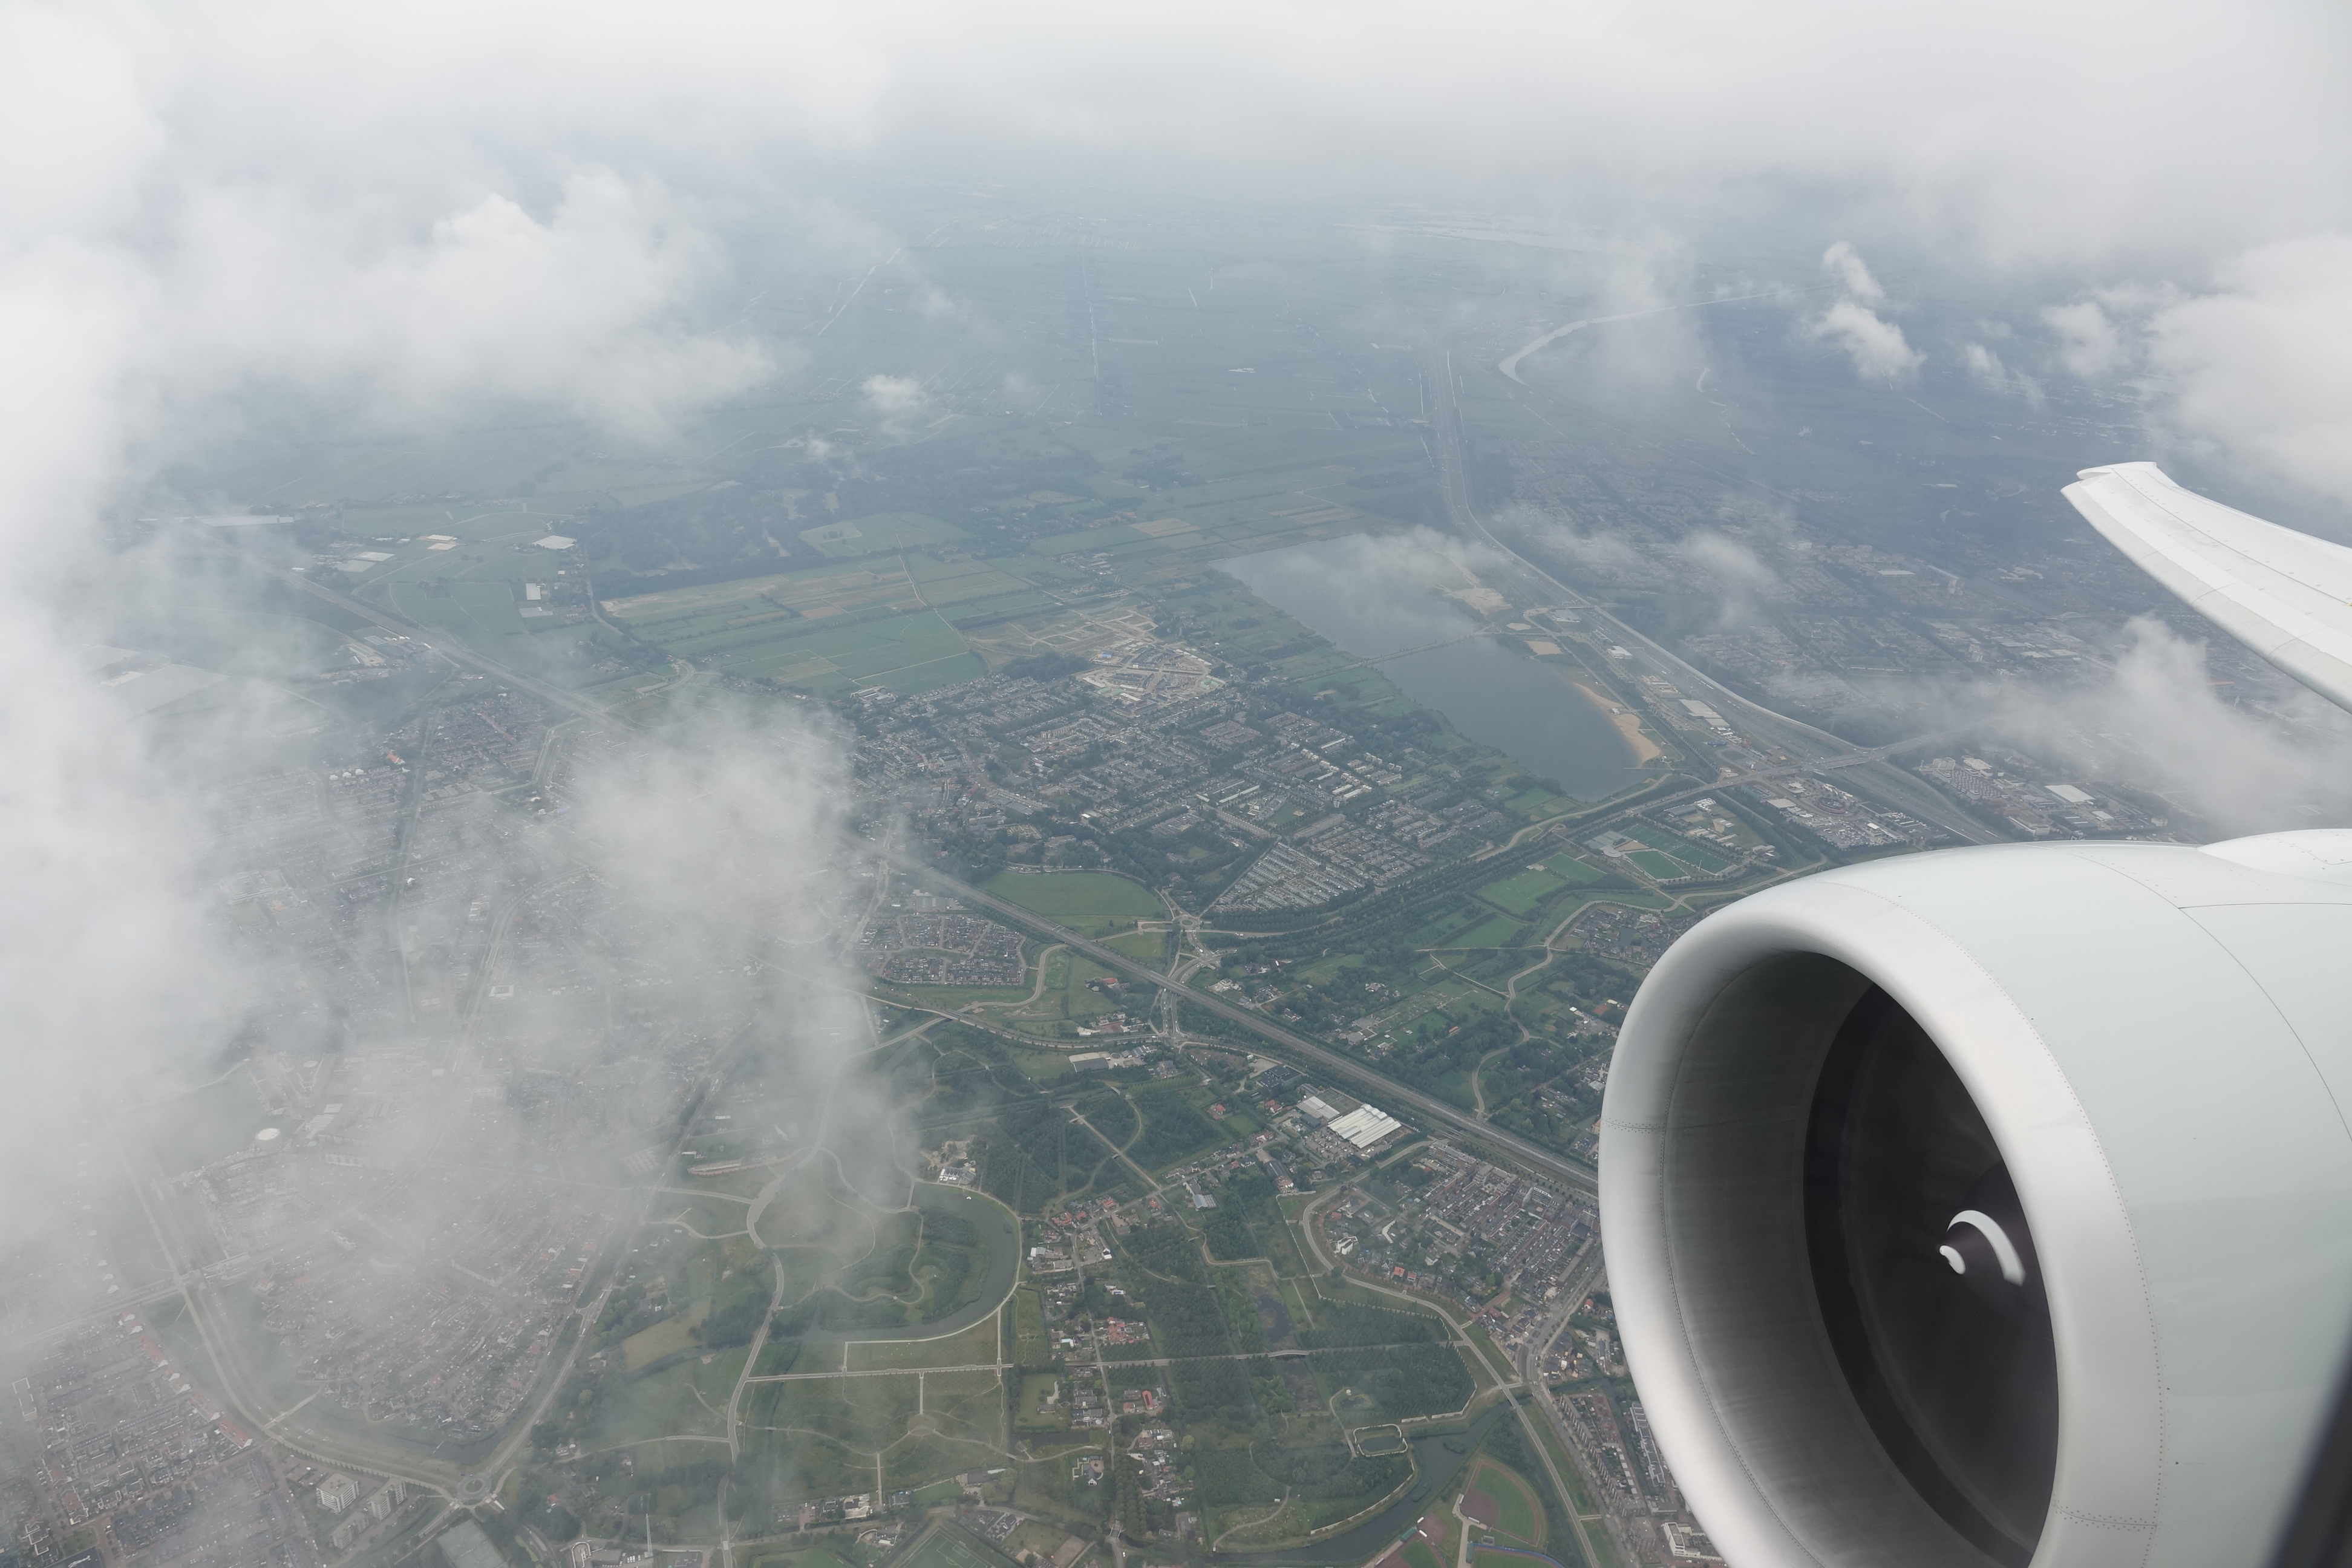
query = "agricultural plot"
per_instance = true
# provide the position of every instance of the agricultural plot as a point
(888, 531)
(1093, 902)
(484, 614)
(973, 1346)
(1519, 894)
(884, 621)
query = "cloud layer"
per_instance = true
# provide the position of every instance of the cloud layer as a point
(266, 216)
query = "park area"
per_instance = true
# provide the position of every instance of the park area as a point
(1093, 903)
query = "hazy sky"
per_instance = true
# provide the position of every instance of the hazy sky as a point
(410, 210)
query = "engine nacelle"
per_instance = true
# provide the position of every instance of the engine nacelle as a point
(1994, 1206)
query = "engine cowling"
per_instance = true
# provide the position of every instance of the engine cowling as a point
(1994, 1206)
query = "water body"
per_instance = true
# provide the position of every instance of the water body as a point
(1435, 1459)
(1374, 599)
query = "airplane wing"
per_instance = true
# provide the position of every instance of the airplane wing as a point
(2284, 594)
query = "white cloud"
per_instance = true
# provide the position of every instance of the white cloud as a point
(2089, 345)
(2261, 365)
(2242, 771)
(897, 402)
(1844, 263)
(1985, 367)
(2253, 369)
(404, 216)
(583, 307)
(1875, 345)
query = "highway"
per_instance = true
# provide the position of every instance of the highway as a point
(1340, 1066)
(1888, 783)
(1427, 1106)
(451, 648)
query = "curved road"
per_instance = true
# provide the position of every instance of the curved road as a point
(1347, 1068)
(1813, 746)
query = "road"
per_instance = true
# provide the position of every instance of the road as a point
(1387, 1089)
(450, 649)
(1800, 739)
(1574, 1287)
(1311, 1234)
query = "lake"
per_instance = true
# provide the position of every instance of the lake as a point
(1373, 598)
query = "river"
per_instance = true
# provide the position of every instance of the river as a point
(1436, 1458)
(1367, 596)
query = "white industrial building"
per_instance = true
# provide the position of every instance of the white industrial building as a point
(1365, 1126)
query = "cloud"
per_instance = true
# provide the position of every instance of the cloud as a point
(257, 217)
(585, 308)
(2242, 771)
(2259, 366)
(2089, 343)
(897, 402)
(1842, 262)
(2252, 369)
(1876, 346)
(1598, 550)
(1985, 367)
(1738, 574)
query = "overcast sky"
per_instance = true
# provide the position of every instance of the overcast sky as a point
(410, 210)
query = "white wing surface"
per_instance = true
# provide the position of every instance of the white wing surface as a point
(2286, 595)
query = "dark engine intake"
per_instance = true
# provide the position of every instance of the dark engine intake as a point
(1994, 1206)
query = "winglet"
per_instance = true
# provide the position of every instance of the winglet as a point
(2284, 594)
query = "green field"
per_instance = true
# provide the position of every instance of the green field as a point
(1705, 859)
(1079, 899)
(1522, 892)
(949, 1547)
(882, 532)
(1653, 864)
(666, 1338)
(975, 1344)
(1146, 946)
(484, 614)
(1498, 930)
(1515, 1513)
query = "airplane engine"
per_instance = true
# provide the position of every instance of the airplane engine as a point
(1994, 1206)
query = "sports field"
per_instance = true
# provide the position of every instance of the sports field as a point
(1514, 1509)
(1657, 866)
(949, 1547)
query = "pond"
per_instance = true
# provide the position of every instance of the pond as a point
(1377, 599)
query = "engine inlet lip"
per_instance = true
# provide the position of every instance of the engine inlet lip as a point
(2105, 1487)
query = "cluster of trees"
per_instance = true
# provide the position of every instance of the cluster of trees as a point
(1404, 1380)
(1030, 1154)
(1171, 1128)
(1327, 1472)
(1191, 1321)
(1436, 1055)
(1246, 1198)
(1348, 1325)
(1108, 1113)
(1229, 1476)
(736, 1310)
(1241, 1311)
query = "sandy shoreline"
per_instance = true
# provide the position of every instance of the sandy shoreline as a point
(1629, 723)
